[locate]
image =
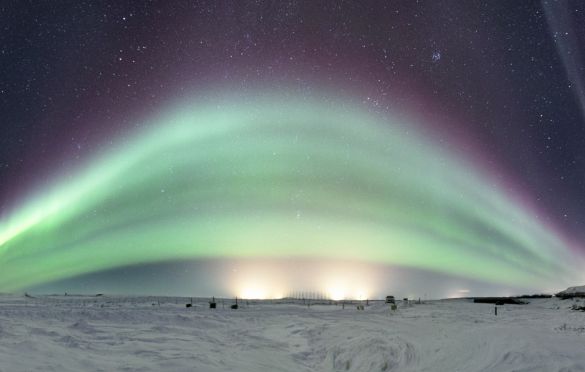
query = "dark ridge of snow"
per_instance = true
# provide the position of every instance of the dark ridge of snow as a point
(578, 291)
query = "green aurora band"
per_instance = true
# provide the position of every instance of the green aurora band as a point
(276, 177)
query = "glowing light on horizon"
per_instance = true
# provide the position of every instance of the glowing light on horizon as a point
(255, 293)
(273, 279)
(459, 293)
(280, 177)
(336, 294)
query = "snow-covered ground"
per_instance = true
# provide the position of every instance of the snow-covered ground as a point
(57, 333)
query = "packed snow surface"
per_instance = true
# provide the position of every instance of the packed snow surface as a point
(58, 333)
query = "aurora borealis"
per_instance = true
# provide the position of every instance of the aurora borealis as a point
(273, 179)
(227, 166)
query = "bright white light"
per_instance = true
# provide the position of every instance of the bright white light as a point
(336, 293)
(272, 279)
(255, 293)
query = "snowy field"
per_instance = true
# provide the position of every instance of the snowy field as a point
(58, 333)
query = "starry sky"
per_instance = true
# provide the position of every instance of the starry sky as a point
(147, 146)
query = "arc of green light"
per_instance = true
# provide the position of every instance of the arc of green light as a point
(278, 178)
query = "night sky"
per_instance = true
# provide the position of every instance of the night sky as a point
(437, 141)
